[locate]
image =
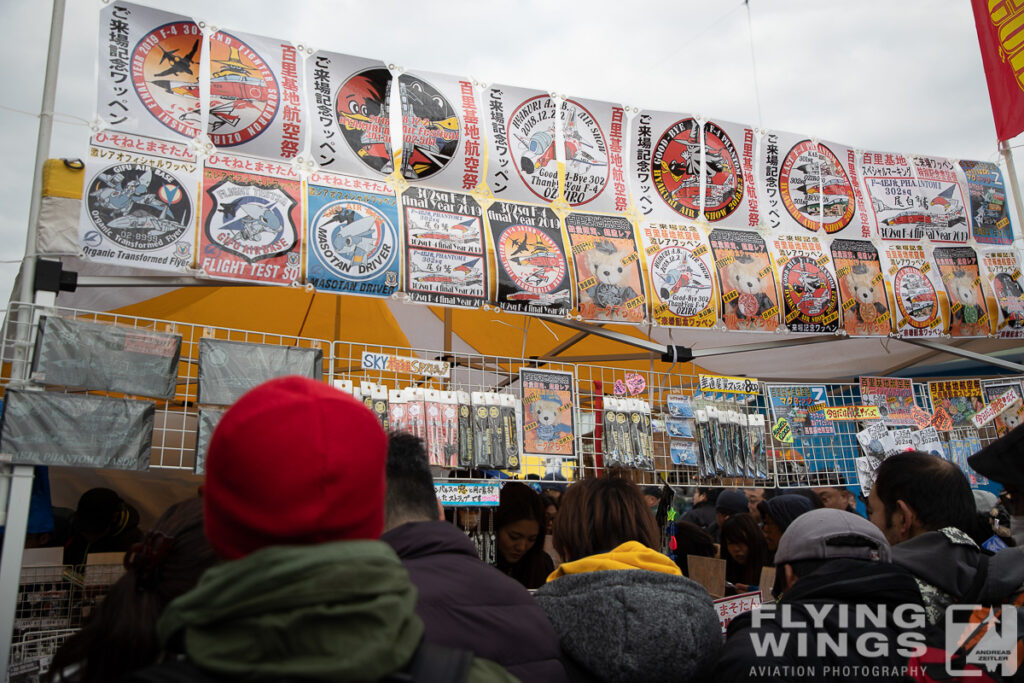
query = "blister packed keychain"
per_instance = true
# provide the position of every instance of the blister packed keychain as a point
(509, 432)
(482, 442)
(705, 464)
(465, 429)
(609, 435)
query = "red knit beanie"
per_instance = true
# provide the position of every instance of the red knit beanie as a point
(294, 462)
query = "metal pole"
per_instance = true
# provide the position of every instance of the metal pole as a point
(1004, 149)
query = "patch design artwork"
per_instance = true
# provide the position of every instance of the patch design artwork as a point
(724, 176)
(809, 291)
(531, 136)
(355, 239)
(252, 221)
(165, 75)
(586, 154)
(683, 283)
(244, 93)
(531, 258)
(915, 297)
(800, 184)
(138, 206)
(361, 108)
(430, 129)
(675, 168)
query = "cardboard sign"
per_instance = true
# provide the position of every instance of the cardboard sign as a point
(941, 420)
(852, 413)
(730, 608)
(995, 408)
(921, 417)
(729, 385)
(708, 572)
(782, 431)
(468, 495)
(409, 366)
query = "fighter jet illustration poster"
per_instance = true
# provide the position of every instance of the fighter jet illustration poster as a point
(990, 218)
(683, 292)
(609, 283)
(593, 143)
(1001, 268)
(665, 167)
(441, 132)
(522, 164)
(352, 244)
(255, 96)
(533, 276)
(944, 199)
(350, 101)
(149, 72)
(916, 304)
(810, 297)
(138, 211)
(897, 205)
(446, 259)
(844, 211)
(791, 179)
(968, 304)
(251, 218)
(730, 192)
(750, 299)
(864, 303)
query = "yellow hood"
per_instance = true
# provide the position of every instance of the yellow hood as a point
(629, 555)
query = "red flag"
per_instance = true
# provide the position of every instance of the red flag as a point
(1000, 25)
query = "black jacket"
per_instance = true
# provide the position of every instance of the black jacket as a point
(465, 603)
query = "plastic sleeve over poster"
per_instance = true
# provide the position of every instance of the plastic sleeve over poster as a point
(750, 298)
(683, 292)
(593, 147)
(917, 306)
(665, 166)
(730, 187)
(229, 369)
(48, 428)
(969, 315)
(522, 164)
(810, 297)
(610, 286)
(1001, 267)
(207, 422)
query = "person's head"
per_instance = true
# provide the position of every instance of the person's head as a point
(550, 512)
(836, 497)
(917, 492)
(409, 496)
(100, 512)
(692, 540)
(825, 535)
(554, 492)
(294, 462)
(598, 515)
(754, 497)
(518, 523)
(779, 512)
(706, 494)
(744, 549)
(730, 502)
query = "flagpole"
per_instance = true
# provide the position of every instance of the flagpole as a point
(1004, 149)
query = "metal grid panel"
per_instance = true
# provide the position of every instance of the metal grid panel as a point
(55, 598)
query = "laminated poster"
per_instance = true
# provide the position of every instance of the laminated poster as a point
(990, 217)
(547, 412)
(665, 162)
(897, 204)
(1001, 267)
(750, 300)
(251, 213)
(350, 100)
(960, 399)
(533, 276)
(149, 71)
(916, 306)
(352, 244)
(522, 165)
(138, 211)
(730, 192)
(609, 285)
(441, 132)
(680, 267)
(1014, 416)
(255, 103)
(968, 305)
(944, 198)
(800, 406)
(844, 213)
(894, 397)
(445, 257)
(792, 173)
(810, 298)
(865, 305)
(593, 144)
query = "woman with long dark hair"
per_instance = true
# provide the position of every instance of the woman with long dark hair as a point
(745, 551)
(519, 534)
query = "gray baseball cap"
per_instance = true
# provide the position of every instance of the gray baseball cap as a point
(828, 534)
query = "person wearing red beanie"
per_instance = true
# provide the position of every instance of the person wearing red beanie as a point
(294, 501)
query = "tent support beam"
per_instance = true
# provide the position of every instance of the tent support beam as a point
(155, 281)
(917, 360)
(764, 346)
(598, 331)
(964, 353)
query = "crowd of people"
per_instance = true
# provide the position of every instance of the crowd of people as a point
(319, 552)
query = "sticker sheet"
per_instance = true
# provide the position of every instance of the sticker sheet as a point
(897, 205)
(810, 297)
(683, 290)
(533, 275)
(801, 406)
(791, 175)
(914, 289)
(730, 187)
(445, 252)
(968, 304)
(750, 299)
(1001, 268)
(547, 412)
(350, 99)
(522, 165)
(844, 213)
(945, 199)
(255, 96)
(149, 72)
(864, 303)
(894, 397)
(138, 210)
(1014, 416)
(352, 244)
(593, 146)
(609, 285)
(665, 166)
(959, 398)
(990, 217)
(251, 220)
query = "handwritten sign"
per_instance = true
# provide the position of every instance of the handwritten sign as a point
(995, 408)
(635, 383)
(468, 495)
(620, 388)
(782, 431)
(850, 413)
(920, 416)
(729, 385)
(941, 420)
(730, 608)
(383, 362)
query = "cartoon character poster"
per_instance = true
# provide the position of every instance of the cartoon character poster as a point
(350, 100)
(810, 298)
(593, 145)
(802, 407)
(251, 218)
(959, 398)
(138, 211)
(893, 396)
(968, 305)
(750, 299)
(791, 180)
(547, 413)
(352, 244)
(255, 97)
(441, 136)
(522, 163)
(729, 184)
(1013, 417)
(609, 285)
(944, 199)
(864, 303)
(914, 290)
(665, 166)
(844, 213)
(149, 72)
(445, 260)
(680, 268)
(1001, 268)
(990, 218)
(897, 205)
(533, 276)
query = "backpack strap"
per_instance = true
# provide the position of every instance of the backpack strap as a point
(435, 663)
(973, 592)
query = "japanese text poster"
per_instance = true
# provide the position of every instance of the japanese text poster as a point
(864, 304)
(680, 267)
(750, 299)
(533, 276)
(610, 286)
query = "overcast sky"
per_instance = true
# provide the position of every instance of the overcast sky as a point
(900, 76)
